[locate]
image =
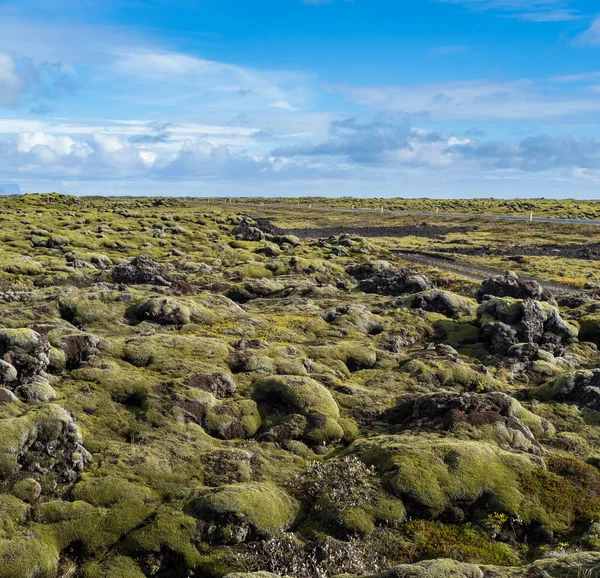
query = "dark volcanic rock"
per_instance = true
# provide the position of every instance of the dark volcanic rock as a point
(248, 231)
(142, 270)
(438, 301)
(395, 282)
(445, 412)
(508, 324)
(510, 285)
(48, 447)
(221, 385)
(79, 348)
(582, 387)
(25, 350)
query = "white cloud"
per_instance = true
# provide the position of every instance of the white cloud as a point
(180, 76)
(591, 36)
(478, 100)
(11, 84)
(24, 82)
(282, 105)
(61, 145)
(530, 10)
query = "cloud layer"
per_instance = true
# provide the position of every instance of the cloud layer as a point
(23, 82)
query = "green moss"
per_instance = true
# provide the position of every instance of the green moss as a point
(436, 473)
(354, 356)
(446, 373)
(13, 512)
(299, 394)
(165, 311)
(82, 312)
(590, 327)
(31, 556)
(27, 490)
(251, 270)
(263, 505)
(169, 529)
(114, 567)
(232, 419)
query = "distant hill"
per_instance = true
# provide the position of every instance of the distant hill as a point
(10, 190)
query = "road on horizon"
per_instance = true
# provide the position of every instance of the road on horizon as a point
(425, 213)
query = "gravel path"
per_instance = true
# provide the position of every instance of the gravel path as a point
(473, 271)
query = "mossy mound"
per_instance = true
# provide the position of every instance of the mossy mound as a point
(240, 512)
(437, 474)
(487, 417)
(581, 387)
(164, 311)
(296, 407)
(438, 301)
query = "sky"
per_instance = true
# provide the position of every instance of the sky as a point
(373, 98)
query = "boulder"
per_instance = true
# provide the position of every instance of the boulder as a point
(395, 282)
(232, 419)
(438, 301)
(8, 373)
(45, 444)
(36, 389)
(142, 270)
(509, 323)
(509, 285)
(247, 232)
(79, 348)
(254, 289)
(356, 317)
(368, 269)
(164, 311)
(26, 351)
(581, 387)
(507, 419)
(238, 513)
(297, 407)
(221, 385)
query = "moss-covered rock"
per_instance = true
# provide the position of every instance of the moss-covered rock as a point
(26, 350)
(438, 301)
(45, 443)
(242, 512)
(297, 407)
(164, 311)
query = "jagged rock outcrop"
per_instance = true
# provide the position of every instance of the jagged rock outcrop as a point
(26, 351)
(221, 385)
(520, 328)
(357, 317)
(164, 311)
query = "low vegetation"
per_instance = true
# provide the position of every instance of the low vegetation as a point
(196, 389)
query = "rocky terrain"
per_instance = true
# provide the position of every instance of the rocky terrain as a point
(190, 390)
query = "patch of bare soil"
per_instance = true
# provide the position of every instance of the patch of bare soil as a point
(587, 251)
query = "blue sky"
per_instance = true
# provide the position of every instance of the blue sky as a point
(445, 98)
